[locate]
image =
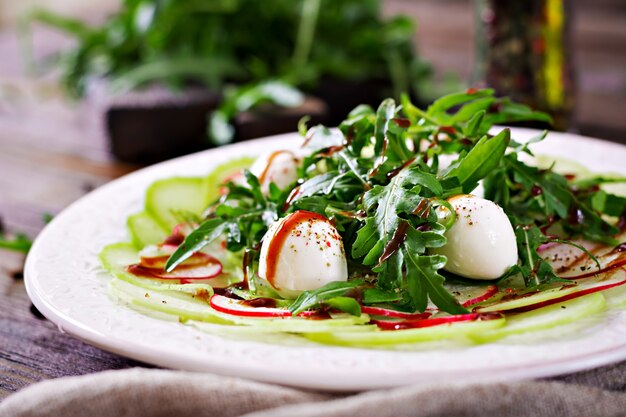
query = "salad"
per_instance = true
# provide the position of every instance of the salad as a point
(401, 226)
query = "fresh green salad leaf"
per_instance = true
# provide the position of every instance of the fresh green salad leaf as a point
(245, 42)
(481, 160)
(532, 266)
(381, 180)
(333, 294)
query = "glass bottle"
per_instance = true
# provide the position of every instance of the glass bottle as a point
(523, 51)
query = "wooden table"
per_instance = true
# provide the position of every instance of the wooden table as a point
(51, 153)
(49, 157)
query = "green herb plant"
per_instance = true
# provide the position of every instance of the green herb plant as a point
(248, 43)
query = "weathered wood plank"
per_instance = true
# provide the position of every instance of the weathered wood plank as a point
(32, 348)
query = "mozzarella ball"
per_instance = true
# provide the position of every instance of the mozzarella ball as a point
(481, 242)
(301, 252)
(279, 167)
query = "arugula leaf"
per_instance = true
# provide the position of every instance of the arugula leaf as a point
(378, 296)
(347, 304)
(367, 240)
(424, 280)
(389, 135)
(556, 198)
(320, 137)
(310, 299)
(384, 204)
(534, 268)
(469, 110)
(206, 233)
(472, 127)
(484, 157)
(440, 107)
(384, 114)
(507, 112)
(609, 204)
(594, 181)
(533, 198)
(320, 184)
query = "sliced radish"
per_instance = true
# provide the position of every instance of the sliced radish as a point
(433, 321)
(175, 239)
(490, 291)
(379, 311)
(320, 314)
(183, 229)
(237, 308)
(532, 301)
(542, 319)
(248, 309)
(154, 262)
(202, 271)
(572, 263)
(577, 294)
(563, 256)
(615, 264)
(158, 262)
(168, 248)
(545, 246)
(585, 267)
(178, 235)
(209, 268)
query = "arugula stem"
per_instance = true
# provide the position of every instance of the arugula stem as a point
(579, 247)
(573, 200)
(353, 168)
(529, 255)
(422, 114)
(400, 151)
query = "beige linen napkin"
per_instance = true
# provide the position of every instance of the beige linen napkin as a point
(161, 393)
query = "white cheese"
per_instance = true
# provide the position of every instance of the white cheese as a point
(279, 167)
(481, 242)
(300, 252)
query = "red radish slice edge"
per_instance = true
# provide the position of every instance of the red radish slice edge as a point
(435, 321)
(234, 307)
(159, 261)
(379, 311)
(567, 297)
(209, 268)
(545, 246)
(231, 306)
(192, 272)
(619, 263)
(168, 247)
(490, 292)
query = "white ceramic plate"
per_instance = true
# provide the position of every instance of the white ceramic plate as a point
(66, 283)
